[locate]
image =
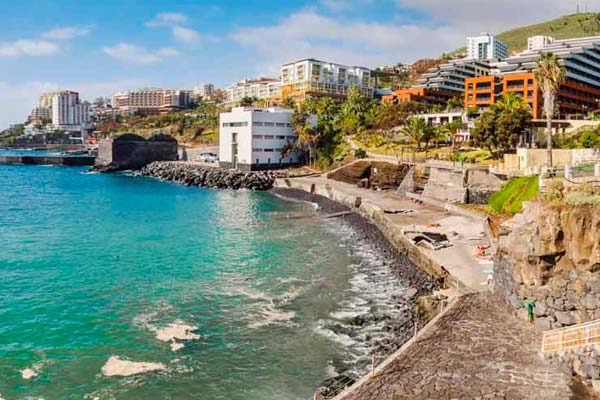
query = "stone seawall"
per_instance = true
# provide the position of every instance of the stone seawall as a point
(195, 175)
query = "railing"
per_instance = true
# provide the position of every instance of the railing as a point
(579, 335)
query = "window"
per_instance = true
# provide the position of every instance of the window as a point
(234, 124)
(257, 136)
(257, 123)
(269, 124)
(268, 137)
(268, 150)
(281, 137)
(300, 72)
(256, 150)
(280, 124)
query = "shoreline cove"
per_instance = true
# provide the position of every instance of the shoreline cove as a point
(400, 325)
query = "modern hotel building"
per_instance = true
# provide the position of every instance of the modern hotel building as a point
(578, 94)
(151, 101)
(310, 77)
(259, 88)
(254, 138)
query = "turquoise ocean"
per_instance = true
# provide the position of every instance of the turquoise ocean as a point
(94, 266)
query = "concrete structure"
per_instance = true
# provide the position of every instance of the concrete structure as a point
(530, 161)
(204, 90)
(259, 89)
(485, 47)
(310, 77)
(151, 101)
(441, 83)
(254, 138)
(68, 113)
(578, 94)
(539, 42)
(131, 151)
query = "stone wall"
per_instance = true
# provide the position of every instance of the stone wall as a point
(551, 255)
(131, 151)
(461, 185)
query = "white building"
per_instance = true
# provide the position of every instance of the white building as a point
(68, 113)
(253, 138)
(462, 134)
(151, 101)
(259, 88)
(539, 42)
(485, 47)
(204, 90)
(40, 115)
(310, 77)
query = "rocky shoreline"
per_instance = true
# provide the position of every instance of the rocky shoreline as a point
(386, 326)
(196, 175)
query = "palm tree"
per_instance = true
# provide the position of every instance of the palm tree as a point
(416, 131)
(549, 75)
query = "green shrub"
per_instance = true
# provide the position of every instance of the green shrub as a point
(589, 140)
(360, 153)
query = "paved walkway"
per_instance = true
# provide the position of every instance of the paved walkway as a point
(465, 233)
(476, 350)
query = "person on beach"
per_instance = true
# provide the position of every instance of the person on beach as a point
(443, 276)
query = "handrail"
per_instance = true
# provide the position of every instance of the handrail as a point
(579, 335)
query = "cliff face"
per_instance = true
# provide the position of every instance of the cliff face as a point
(551, 255)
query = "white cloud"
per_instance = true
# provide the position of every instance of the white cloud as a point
(130, 53)
(27, 47)
(310, 34)
(168, 19)
(65, 33)
(185, 34)
(344, 5)
(475, 16)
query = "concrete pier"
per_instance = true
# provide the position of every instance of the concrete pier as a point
(48, 160)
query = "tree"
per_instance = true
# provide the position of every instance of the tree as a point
(417, 131)
(549, 75)
(455, 103)
(499, 127)
(288, 102)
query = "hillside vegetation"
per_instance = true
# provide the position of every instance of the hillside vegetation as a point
(569, 26)
(509, 200)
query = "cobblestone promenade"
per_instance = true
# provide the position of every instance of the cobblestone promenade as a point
(476, 351)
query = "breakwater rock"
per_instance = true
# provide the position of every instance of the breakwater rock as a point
(196, 175)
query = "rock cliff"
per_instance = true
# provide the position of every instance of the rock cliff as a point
(550, 254)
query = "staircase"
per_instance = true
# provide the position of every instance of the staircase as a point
(580, 335)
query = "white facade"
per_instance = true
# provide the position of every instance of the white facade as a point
(151, 100)
(253, 138)
(260, 88)
(68, 113)
(205, 90)
(486, 47)
(539, 42)
(321, 77)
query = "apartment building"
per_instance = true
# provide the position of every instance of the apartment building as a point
(259, 88)
(310, 77)
(539, 42)
(69, 113)
(204, 90)
(578, 94)
(441, 83)
(254, 138)
(151, 101)
(486, 47)
(39, 115)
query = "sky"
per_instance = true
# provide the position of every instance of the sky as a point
(100, 47)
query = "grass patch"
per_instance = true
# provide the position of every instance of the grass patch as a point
(509, 200)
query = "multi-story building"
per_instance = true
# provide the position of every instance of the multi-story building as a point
(259, 89)
(309, 77)
(204, 90)
(441, 83)
(486, 47)
(578, 94)
(69, 113)
(539, 42)
(40, 115)
(151, 101)
(254, 138)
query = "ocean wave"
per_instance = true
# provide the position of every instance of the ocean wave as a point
(116, 366)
